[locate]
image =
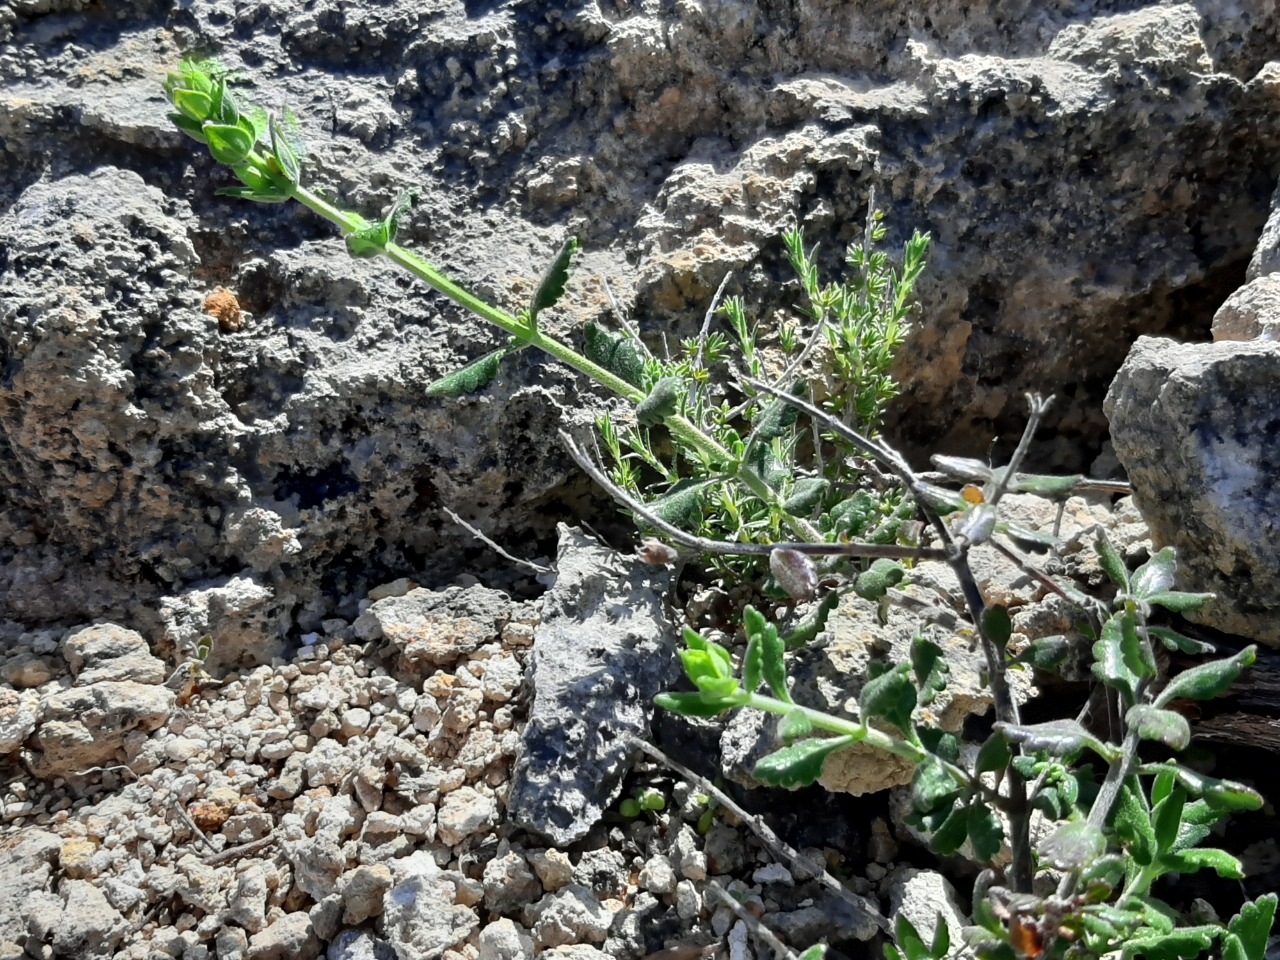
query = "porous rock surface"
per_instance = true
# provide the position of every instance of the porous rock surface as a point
(1089, 171)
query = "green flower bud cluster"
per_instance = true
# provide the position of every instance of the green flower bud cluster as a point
(262, 151)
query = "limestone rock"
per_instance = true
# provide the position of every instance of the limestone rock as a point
(420, 914)
(1252, 311)
(82, 727)
(1194, 426)
(18, 716)
(603, 650)
(289, 938)
(26, 864)
(926, 898)
(239, 612)
(110, 652)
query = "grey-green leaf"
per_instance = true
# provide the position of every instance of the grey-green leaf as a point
(1155, 576)
(1252, 926)
(890, 697)
(1061, 738)
(799, 765)
(1111, 561)
(662, 402)
(874, 582)
(473, 377)
(551, 288)
(616, 353)
(1208, 680)
(1165, 726)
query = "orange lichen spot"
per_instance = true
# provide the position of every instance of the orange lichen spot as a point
(223, 305)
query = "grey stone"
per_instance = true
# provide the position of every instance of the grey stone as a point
(359, 945)
(18, 717)
(1252, 311)
(27, 670)
(604, 648)
(82, 727)
(926, 898)
(289, 938)
(239, 612)
(573, 914)
(110, 652)
(1266, 255)
(362, 889)
(504, 940)
(421, 918)
(1194, 426)
(509, 884)
(89, 926)
(26, 865)
(435, 627)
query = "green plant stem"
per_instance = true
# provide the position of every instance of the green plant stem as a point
(424, 271)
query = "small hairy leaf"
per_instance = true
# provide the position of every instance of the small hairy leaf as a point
(662, 402)
(1198, 858)
(287, 157)
(551, 288)
(794, 725)
(1155, 576)
(1166, 819)
(615, 353)
(1173, 640)
(1182, 944)
(930, 667)
(1073, 846)
(986, 834)
(799, 765)
(1107, 870)
(932, 787)
(1252, 926)
(1052, 488)
(1179, 601)
(993, 755)
(813, 623)
(773, 667)
(1208, 680)
(776, 419)
(1110, 665)
(950, 836)
(1165, 726)
(1045, 653)
(997, 625)
(874, 582)
(1061, 738)
(909, 940)
(890, 697)
(1222, 796)
(682, 507)
(469, 379)
(816, 952)
(1110, 560)
(805, 496)
(1133, 823)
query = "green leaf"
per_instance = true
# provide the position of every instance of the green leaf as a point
(940, 743)
(1133, 824)
(1179, 601)
(930, 667)
(816, 952)
(473, 377)
(794, 725)
(932, 787)
(1051, 488)
(229, 143)
(986, 834)
(193, 105)
(1108, 870)
(997, 625)
(682, 507)
(1208, 680)
(776, 419)
(874, 582)
(1252, 926)
(1173, 640)
(890, 697)
(1061, 738)
(616, 353)
(773, 667)
(806, 495)
(1223, 796)
(813, 623)
(372, 239)
(1182, 944)
(1165, 726)
(662, 402)
(1198, 858)
(1045, 653)
(1072, 846)
(1110, 665)
(551, 288)
(1137, 654)
(799, 765)
(1166, 819)
(909, 940)
(1155, 576)
(941, 945)
(1110, 560)
(950, 836)
(718, 688)
(692, 704)
(287, 157)
(994, 754)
